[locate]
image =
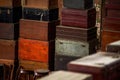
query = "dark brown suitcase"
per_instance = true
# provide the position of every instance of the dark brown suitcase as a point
(108, 37)
(79, 18)
(10, 14)
(38, 30)
(112, 24)
(10, 3)
(79, 33)
(42, 4)
(8, 49)
(102, 66)
(40, 14)
(78, 4)
(35, 50)
(9, 31)
(113, 47)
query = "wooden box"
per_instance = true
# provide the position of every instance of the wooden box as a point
(79, 18)
(10, 3)
(38, 30)
(35, 50)
(78, 4)
(102, 65)
(8, 49)
(10, 15)
(67, 75)
(40, 14)
(113, 47)
(9, 31)
(108, 37)
(42, 4)
(75, 48)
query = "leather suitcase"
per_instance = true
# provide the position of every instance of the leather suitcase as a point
(38, 30)
(10, 15)
(76, 33)
(35, 50)
(102, 66)
(78, 4)
(9, 31)
(113, 47)
(61, 61)
(40, 14)
(108, 37)
(112, 24)
(10, 3)
(75, 48)
(8, 49)
(66, 75)
(42, 4)
(79, 18)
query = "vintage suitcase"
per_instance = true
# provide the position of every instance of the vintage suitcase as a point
(38, 30)
(10, 15)
(76, 33)
(42, 4)
(9, 31)
(79, 18)
(61, 61)
(40, 14)
(66, 75)
(112, 10)
(78, 4)
(35, 50)
(108, 37)
(112, 24)
(10, 3)
(113, 47)
(102, 65)
(8, 49)
(75, 48)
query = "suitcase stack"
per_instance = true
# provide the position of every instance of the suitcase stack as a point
(37, 34)
(111, 22)
(10, 13)
(77, 34)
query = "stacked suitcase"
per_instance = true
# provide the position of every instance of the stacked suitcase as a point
(10, 13)
(111, 22)
(77, 34)
(37, 34)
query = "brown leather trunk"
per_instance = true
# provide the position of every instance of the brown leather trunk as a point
(8, 49)
(43, 4)
(10, 3)
(97, 66)
(108, 37)
(9, 31)
(38, 30)
(111, 24)
(79, 18)
(35, 50)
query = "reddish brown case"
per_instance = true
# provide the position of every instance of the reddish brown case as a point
(9, 31)
(38, 30)
(79, 18)
(108, 37)
(8, 49)
(35, 50)
(111, 24)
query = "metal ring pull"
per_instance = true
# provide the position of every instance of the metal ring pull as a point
(41, 17)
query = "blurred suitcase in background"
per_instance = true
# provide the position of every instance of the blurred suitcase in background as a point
(79, 18)
(10, 15)
(78, 4)
(8, 49)
(42, 4)
(9, 31)
(38, 30)
(40, 14)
